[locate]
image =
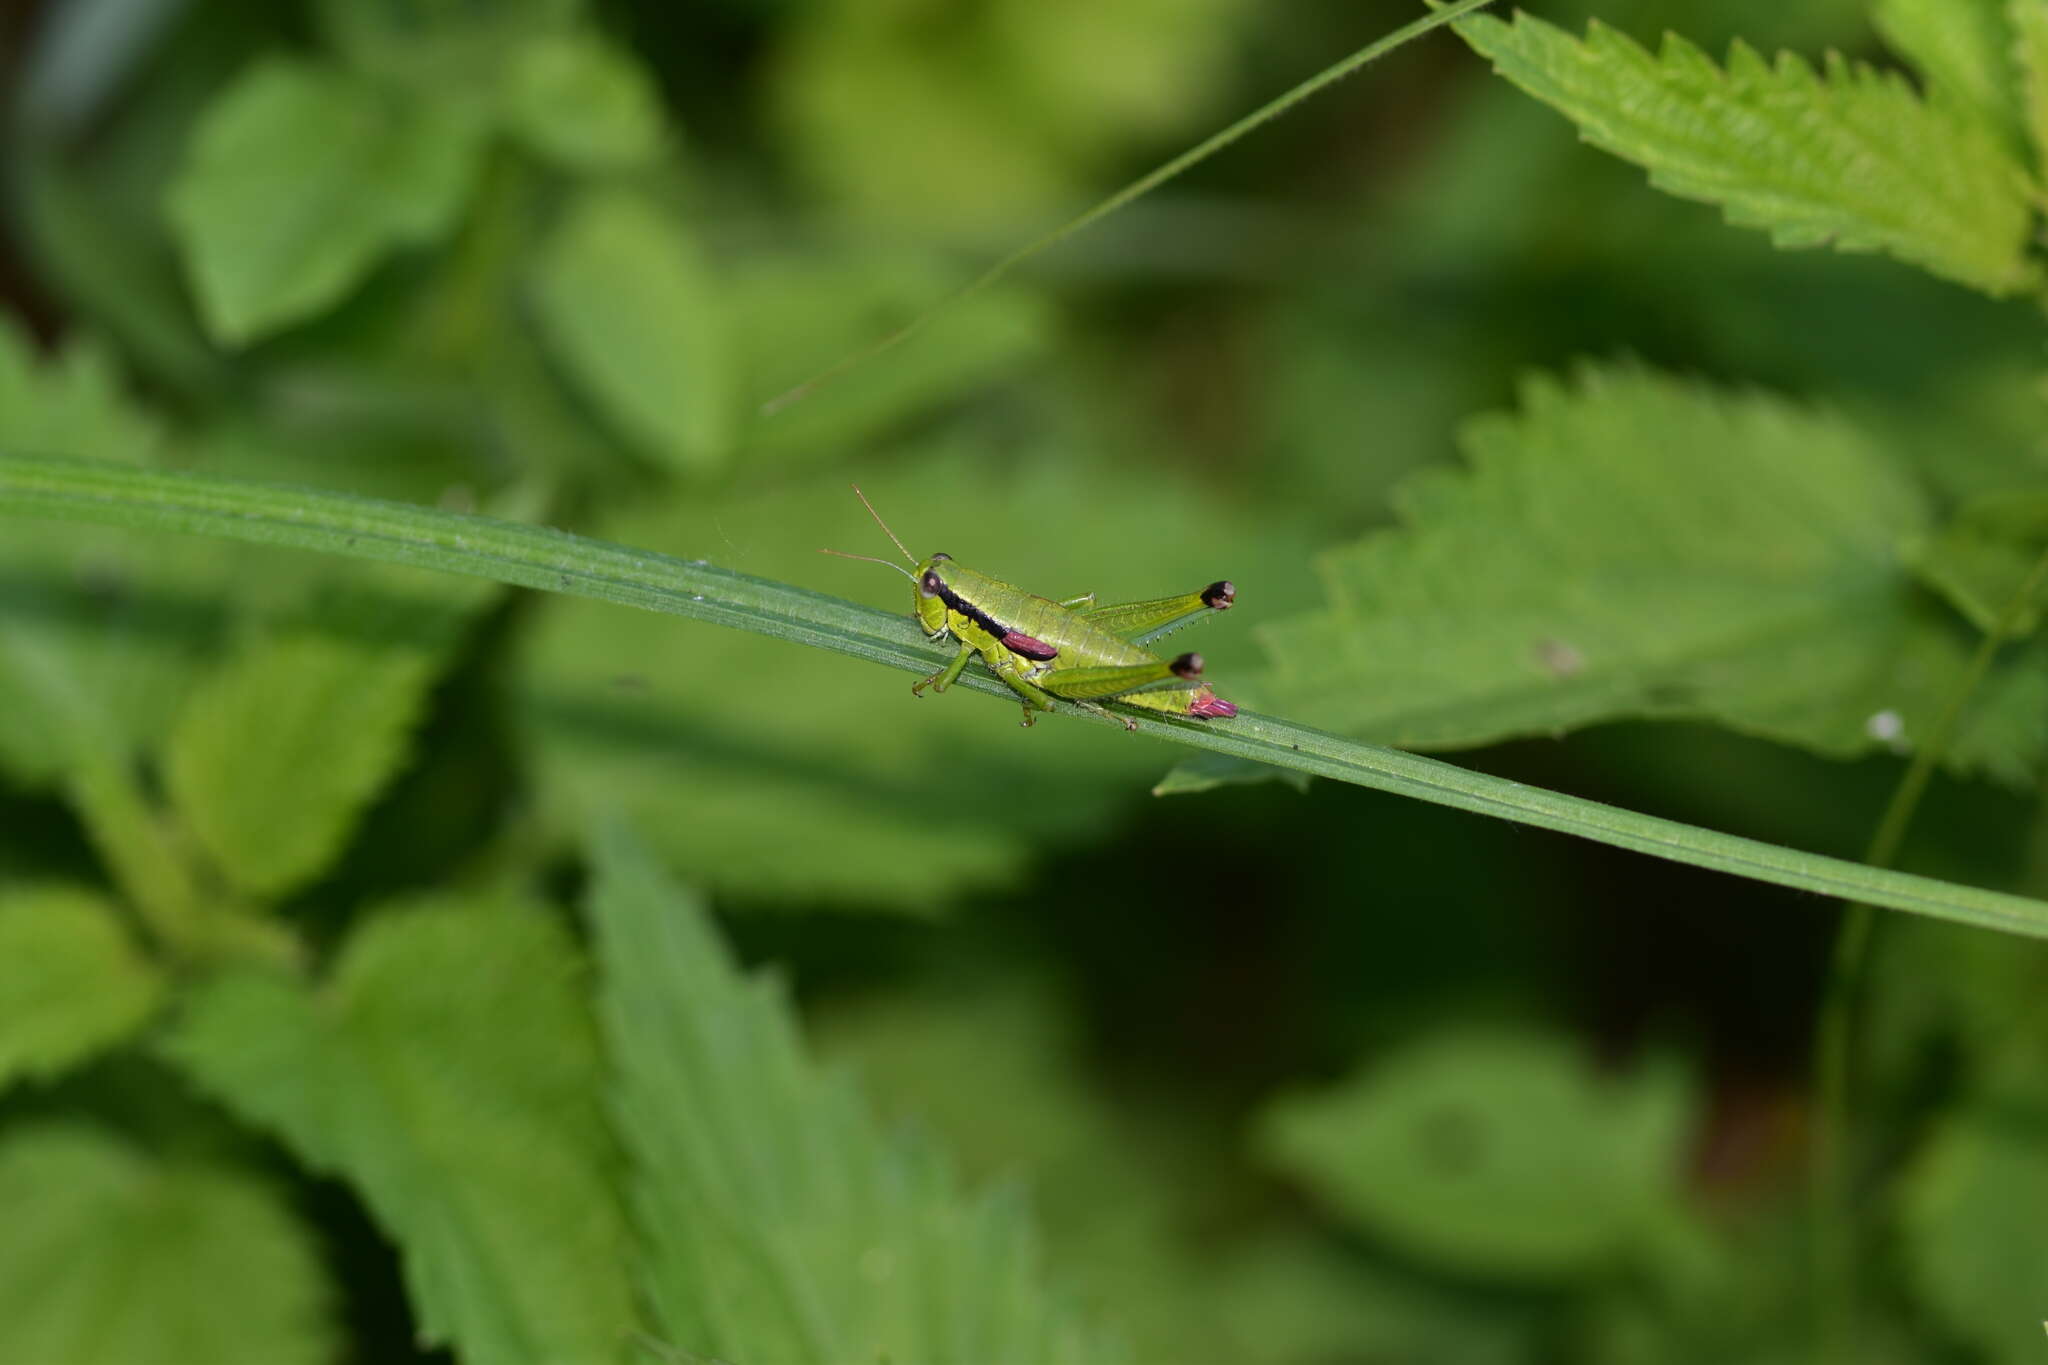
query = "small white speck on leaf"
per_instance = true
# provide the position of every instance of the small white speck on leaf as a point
(1886, 727)
(1559, 659)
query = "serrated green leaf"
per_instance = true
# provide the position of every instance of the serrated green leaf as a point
(1976, 1246)
(1494, 1153)
(991, 1064)
(779, 1223)
(2029, 20)
(1963, 50)
(1848, 157)
(834, 786)
(448, 1070)
(582, 103)
(282, 746)
(71, 980)
(68, 404)
(300, 178)
(1636, 545)
(114, 1258)
(628, 306)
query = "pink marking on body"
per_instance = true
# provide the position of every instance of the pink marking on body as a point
(1017, 642)
(1209, 706)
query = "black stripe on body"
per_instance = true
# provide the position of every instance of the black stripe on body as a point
(955, 602)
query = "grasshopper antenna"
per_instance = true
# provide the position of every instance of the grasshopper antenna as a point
(870, 559)
(883, 524)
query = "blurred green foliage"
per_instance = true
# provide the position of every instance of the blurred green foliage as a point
(360, 997)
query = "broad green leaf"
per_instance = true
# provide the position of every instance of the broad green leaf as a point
(1500, 1154)
(1986, 554)
(1963, 50)
(778, 1221)
(769, 777)
(989, 119)
(451, 48)
(116, 1258)
(1976, 1242)
(282, 746)
(2030, 37)
(582, 103)
(300, 178)
(71, 980)
(1206, 772)
(1637, 545)
(1848, 156)
(627, 304)
(448, 1071)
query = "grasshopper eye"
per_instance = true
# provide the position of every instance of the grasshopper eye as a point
(929, 584)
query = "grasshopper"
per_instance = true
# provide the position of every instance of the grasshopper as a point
(1074, 650)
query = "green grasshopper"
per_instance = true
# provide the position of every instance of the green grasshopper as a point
(1073, 650)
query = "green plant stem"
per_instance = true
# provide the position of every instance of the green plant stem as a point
(1833, 1182)
(135, 846)
(1137, 189)
(553, 561)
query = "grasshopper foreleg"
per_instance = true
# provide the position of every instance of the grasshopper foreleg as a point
(945, 677)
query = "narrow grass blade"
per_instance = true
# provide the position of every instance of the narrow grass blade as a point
(553, 561)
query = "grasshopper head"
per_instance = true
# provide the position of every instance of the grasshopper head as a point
(928, 604)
